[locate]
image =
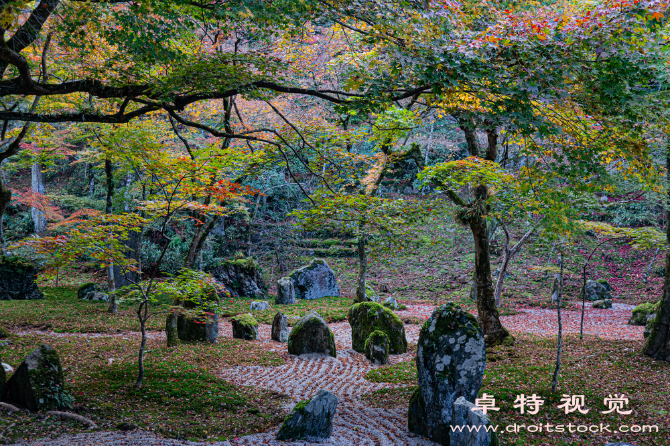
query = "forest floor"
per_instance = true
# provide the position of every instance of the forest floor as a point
(238, 392)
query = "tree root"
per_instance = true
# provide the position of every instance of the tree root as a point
(83, 420)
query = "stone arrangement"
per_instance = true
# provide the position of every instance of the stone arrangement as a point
(279, 328)
(367, 317)
(311, 334)
(90, 291)
(35, 381)
(315, 281)
(377, 348)
(240, 277)
(285, 291)
(310, 420)
(245, 327)
(597, 290)
(451, 357)
(17, 279)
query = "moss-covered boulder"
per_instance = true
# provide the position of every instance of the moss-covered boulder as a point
(200, 328)
(38, 383)
(244, 327)
(451, 357)
(597, 290)
(311, 335)
(279, 327)
(241, 276)
(90, 291)
(602, 304)
(642, 312)
(310, 420)
(4, 333)
(367, 317)
(285, 291)
(391, 303)
(17, 279)
(171, 330)
(377, 348)
(315, 281)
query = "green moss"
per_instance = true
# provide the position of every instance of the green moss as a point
(86, 288)
(4, 334)
(16, 262)
(367, 317)
(450, 318)
(377, 337)
(248, 264)
(246, 320)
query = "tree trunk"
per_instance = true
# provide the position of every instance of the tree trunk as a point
(489, 318)
(111, 283)
(362, 268)
(37, 180)
(5, 198)
(559, 347)
(651, 265)
(658, 342)
(140, 359)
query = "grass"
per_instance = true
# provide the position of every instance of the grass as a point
(62, 311)
(181, 396)
(594, 368)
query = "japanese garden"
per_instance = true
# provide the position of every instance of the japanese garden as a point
(355, 222)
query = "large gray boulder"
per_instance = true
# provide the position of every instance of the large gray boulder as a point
(451, 357)
(245, 326)
(285, 291)
(38, 383)
(377, 348)
(597, 290)
(240, 277)
(464, 416)
(367, 317)
(314, 281)
(259, 306)
(311, 335)
(279, 327)
(310, 420)
(203, 328)
(17, 279)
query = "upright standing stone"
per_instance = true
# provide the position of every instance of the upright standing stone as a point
(245, 326)
(367, 317)
(314, 281)
(17, 279)
(285, 291)
(450, 361)
(468, 418)
(310, 420)
(280, 327)
(377, 348)
(171, 330)
(38, 382)
(311, 335)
